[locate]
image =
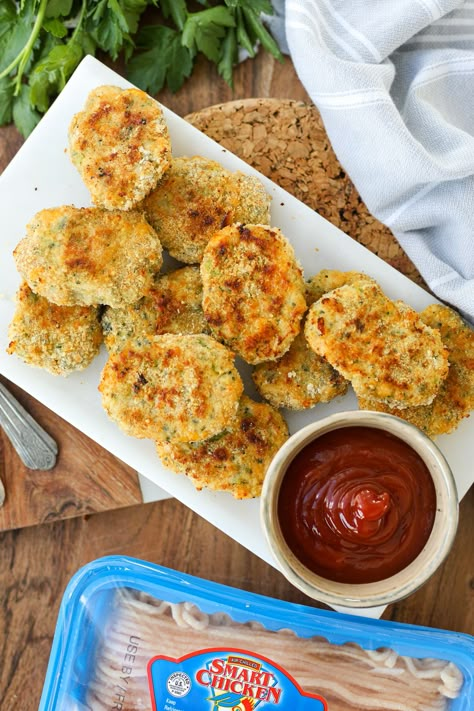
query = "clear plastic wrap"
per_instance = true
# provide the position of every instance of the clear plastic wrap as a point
(132, 636)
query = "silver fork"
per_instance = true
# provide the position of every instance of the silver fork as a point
(36, 449)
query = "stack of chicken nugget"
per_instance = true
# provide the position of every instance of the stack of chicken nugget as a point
(416, 366)
(93, 274)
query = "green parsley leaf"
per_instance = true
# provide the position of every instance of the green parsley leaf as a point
(176, 9)
(14, 39)
(51, 74)
(256, 6)
(116, 10)
(164, 60)
(85, 41)
(24, 115)
(133, 10)
(106, 28)
(41, 41)
(55, 27)
(203, 31)
(45, 45)
(7, 16)
(148, 69)
(180, 65)
(58, 8)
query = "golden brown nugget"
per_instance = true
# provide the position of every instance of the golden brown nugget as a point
(300, 379)
(383, 348)
(253, 291)
(89, 256)
(174, 388)
(455, 398)
(328, 279)
(235, 460)
(197, 197)
(120, 145)
(172, 305)
(60, 339)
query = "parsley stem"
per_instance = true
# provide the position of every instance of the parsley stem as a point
(80, 20)
(22, 58)
(261, 33)
(178, 14)
(242, 34)
(11, 66)
(228, 56)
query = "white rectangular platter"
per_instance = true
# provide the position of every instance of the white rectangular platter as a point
(41, 175)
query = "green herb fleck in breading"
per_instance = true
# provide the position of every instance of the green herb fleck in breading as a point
(89, 256)
(253, 291)
(235, 460)
(60, 339)
(382, 347)
(172, 388)
(172, 305)
(196, 198)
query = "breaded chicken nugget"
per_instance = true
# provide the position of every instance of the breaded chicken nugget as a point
(196, 198)
(329, 279)
(59, 339)
(455, 398)
(253, 291)
(172, 305)
(383, 348)
(298, 380)
(235, 460)
(89, 256)
(120, 145)
(176, 388)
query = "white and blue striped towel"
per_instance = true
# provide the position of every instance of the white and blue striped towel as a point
(394, 82)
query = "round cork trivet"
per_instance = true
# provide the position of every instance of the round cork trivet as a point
(286, 141)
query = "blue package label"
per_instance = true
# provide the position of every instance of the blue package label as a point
(223, 678)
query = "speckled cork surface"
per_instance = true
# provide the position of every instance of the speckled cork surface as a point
(286, 141)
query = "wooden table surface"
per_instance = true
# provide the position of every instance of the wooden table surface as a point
(36, 562)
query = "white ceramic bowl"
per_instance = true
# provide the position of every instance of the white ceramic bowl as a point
(411, 577)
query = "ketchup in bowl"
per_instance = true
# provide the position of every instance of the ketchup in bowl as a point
(356, 505)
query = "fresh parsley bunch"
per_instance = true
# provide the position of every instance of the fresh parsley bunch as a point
(43, 41)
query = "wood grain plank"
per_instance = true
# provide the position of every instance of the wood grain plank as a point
(86, 479)
(36, 563)
(10, 143)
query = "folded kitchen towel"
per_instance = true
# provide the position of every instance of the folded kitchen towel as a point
(394, 82)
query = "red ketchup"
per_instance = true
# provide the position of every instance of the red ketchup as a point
(357, 505)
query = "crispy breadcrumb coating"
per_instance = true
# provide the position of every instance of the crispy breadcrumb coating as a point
(89, 256)
(300, 379)
(120, 145)
(196, 198)
(253, 291)
(236, 460)
(60, 339)
(455, 398)
(329, 279)
(174, 388)
(172, 305)
(382, 347)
